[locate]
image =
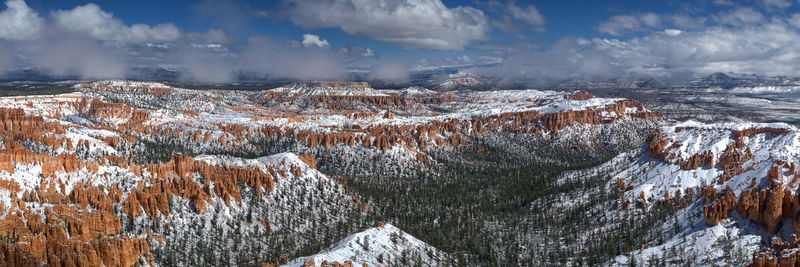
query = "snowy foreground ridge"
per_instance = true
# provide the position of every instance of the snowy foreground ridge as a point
(384, 245)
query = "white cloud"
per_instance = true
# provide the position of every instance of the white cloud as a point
(776, 3)
(273, 59)
(390, 70)
(212, 36)
(673, 32)
(515, 19)
(624, 24)
(794, 20)
(314, 40)
(687, 22)
(529, 14)
(91, 20)
(409, 23)
(757, 46)
(5, 60)
(355, 52)
(740, 16)
(201, 65)
(769, 48)
(19, 22)
(65, 55)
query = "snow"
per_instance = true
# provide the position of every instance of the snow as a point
(702, 245)
(765, 89)
(305, 89)
(377, 246)
(654, 177)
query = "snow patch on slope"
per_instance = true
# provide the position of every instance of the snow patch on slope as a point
(378, 246)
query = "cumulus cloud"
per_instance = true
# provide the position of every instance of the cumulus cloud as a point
(90, 19)
(390, 70)
(89, 43)
(19, 22)
(314, 40)
(409, 23)
(768, 48)
(758, 46)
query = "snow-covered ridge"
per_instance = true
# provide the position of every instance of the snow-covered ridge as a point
(453, 81)
(385, 245)
(328, 90)
(416, 91)
(128, 83)
(759, 146)
(765, 89)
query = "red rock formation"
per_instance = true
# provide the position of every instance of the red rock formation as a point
(721, 206)
(89, 243)
(388, 115)
(764, 206)
(579, 95)
(779, 253)
(172, 181)
(754, 131)
(309, 160)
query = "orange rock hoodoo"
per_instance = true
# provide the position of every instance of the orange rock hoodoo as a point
(779, 253)
(171, 181)
(67, 236)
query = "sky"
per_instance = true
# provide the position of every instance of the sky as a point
(540, 41)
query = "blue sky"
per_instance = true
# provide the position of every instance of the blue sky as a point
(213, 40)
